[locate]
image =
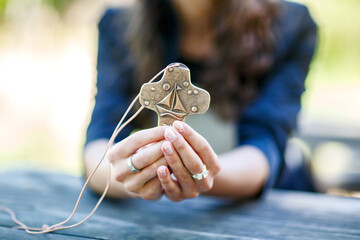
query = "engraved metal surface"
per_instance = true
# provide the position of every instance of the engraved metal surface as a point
(174, 97)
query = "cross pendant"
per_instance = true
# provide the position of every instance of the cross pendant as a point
(174, 97)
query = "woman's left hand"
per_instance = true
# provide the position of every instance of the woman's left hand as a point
(186, 152)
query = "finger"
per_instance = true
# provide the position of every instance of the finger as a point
(171, 188)
(133, 182)
(187, 183)
(152, 190)
(199, 144)
(135, 141)
(188, 156)
(147, 155)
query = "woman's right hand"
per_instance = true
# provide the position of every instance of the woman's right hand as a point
(145, 148)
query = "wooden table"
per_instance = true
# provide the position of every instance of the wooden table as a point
(39, 198)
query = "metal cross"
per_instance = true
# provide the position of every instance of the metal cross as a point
(174, 97)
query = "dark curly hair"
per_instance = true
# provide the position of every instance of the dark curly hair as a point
(243, 43)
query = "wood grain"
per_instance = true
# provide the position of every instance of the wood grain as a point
(39, 197)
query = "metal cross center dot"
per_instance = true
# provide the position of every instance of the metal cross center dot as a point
(174, 97)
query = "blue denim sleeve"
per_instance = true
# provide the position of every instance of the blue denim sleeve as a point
(113, 79)
(267, 122)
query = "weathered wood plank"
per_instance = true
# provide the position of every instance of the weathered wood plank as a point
(14, 234)
(49, 198)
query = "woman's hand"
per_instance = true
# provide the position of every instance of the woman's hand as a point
(186, 152)
(145, 148)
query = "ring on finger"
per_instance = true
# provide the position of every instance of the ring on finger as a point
(131, 166)
(202, 175)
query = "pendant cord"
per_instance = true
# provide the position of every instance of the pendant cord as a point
(59, 226)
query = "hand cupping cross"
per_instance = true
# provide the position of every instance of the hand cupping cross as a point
(144, 161)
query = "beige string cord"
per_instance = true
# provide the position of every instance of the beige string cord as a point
(59, 226)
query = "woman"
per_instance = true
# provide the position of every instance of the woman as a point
(251, 55)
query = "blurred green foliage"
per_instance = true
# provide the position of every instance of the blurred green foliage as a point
(59, 5)
(2, 9)
(338, 53)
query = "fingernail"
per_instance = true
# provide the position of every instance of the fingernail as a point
(170, 134)
(168, 149)
(179, 126)
(162, 172)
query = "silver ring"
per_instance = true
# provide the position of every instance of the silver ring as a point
(131, 166)
(201, 175)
